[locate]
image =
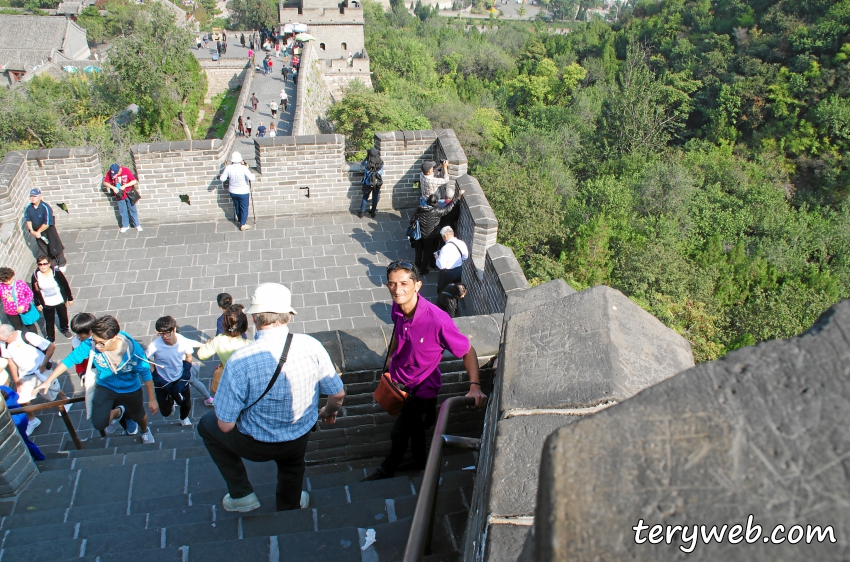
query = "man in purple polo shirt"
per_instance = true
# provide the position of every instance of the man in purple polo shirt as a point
(422, 332)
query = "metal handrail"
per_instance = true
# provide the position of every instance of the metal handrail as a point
(60, 405)
(422, 527)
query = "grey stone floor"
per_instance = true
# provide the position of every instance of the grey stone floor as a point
(267, 88)
(334, 264)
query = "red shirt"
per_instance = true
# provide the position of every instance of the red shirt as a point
(123, 177)
(421, 341)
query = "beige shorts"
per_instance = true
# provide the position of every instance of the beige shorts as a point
(26, 390)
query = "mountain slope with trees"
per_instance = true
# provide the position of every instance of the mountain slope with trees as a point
(691, 154)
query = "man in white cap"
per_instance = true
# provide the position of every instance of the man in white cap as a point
(267, 403)
(239, 187)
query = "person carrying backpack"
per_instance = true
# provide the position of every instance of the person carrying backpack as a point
(373, 172)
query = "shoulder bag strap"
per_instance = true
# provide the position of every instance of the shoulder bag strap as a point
(276, 374)
(462, 259)
(389, 347)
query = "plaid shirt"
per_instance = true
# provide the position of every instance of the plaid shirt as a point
(291, 407)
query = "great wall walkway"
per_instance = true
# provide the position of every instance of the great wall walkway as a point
(267, 88)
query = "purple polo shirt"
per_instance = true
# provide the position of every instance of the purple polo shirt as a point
(421, 341)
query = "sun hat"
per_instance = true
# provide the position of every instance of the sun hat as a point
(236, 158)
(427, 166)
(270, 297)
(35, 192)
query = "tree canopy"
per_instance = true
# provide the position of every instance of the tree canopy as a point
(690, 154)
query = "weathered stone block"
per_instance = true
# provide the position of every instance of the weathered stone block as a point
(762, 431)
(586, 349)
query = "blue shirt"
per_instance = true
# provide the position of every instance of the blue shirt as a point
(42, 215)
(291, 407)
(128, 377)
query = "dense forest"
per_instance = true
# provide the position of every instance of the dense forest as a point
(149, 64)
(692, 154)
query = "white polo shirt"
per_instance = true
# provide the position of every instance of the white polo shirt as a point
(452, 254)
(28, 358)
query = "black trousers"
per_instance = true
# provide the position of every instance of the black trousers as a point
(425, 248)
(169, 393)
(415, 418)
(50, 313)
(447, 277)
(228, 449)
(106, 400)
(16, 321)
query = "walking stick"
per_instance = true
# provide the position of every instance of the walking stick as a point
(253, 210)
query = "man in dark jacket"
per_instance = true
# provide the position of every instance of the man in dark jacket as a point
(429, 216)
(41, 223)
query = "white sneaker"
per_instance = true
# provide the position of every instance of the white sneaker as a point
(147, 437)
(245, 227)
(139, 228)
(123, 229)
(305, 500)
(186, 422)
(33, 423)
(248, 503)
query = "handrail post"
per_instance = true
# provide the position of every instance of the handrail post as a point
(419, 540)
(69, 425)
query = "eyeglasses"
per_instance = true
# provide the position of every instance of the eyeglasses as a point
(103, 343)
(400, 264)
(43, 263)
(163, 334)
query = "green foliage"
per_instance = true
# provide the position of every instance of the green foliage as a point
(690, 154)
(361, 114)
(154, 67)
(252, 14)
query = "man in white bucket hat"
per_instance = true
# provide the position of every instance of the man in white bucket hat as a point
(239, 187)
(267, 403)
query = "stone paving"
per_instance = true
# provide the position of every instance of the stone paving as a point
(267, 88)
(334, 264)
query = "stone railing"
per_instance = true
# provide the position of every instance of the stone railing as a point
(564, 356)
(225, 74)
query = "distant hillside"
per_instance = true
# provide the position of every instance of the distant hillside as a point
(691, 154)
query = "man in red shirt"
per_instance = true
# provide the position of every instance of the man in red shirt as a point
(421, 333)
(119, 181)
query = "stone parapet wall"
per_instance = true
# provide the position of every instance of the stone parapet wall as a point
(489, 289)
(403, 152)
(168, 170)
(224, 75)
(16, 464)
(15, 185)
(564, 356)
(313, 97)
(303, 174)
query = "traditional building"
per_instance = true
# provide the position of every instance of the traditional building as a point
(30, 42)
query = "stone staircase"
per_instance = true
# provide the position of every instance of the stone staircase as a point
(120, 501)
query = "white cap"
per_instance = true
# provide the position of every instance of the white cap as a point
(270, 297)
(235, 158)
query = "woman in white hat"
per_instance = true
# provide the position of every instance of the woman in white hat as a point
(239, 175)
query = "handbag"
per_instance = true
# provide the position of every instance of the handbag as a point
(389, 394)
(216, 378)
(413, 232)
(32, 315)
(89, 380)
(133, 195)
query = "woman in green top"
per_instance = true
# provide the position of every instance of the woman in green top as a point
(235, 324)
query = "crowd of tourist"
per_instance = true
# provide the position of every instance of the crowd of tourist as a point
(254, 416)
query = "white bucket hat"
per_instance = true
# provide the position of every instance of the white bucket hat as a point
(270, 297)
(236, 158)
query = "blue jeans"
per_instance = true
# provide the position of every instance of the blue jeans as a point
(128, 211)
(376, 196)
(240, 202)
